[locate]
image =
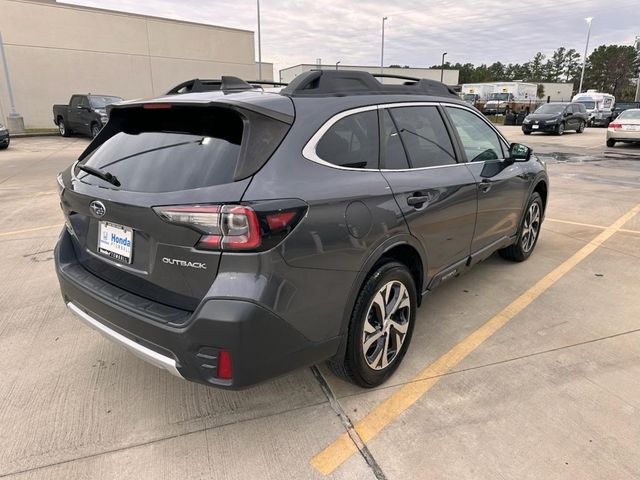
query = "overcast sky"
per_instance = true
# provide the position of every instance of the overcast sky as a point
(476, 31)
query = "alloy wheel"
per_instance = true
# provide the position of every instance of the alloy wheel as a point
(61, 128)
(386, 325)
(531, 227)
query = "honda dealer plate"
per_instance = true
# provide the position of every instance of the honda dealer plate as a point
(535, 126)
(116, 241)
(632, 128)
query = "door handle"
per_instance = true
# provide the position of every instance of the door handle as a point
(417, 200)
(485, 186)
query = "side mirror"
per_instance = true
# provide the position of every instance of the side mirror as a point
(519, 152)
(566, 114)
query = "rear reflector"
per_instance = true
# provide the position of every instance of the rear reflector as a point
(225, 371)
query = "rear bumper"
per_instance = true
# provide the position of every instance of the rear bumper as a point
(4, 138)
(541, 128)
(261, 344)
(620, 135)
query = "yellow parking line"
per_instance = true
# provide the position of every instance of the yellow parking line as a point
(27, 230)
(341, 449)
(590, 225)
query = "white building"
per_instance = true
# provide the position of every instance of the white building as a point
(450, 77)
(54, 50)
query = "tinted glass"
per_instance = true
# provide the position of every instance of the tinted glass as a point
(393, 155)
(588, 104)
(424, 136)
(75, 101)
(352, 141)
(550, 108)
(162, 151)
(84, 102)
(479, 140)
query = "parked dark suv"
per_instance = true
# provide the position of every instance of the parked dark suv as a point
(232, 236)
(556, 118)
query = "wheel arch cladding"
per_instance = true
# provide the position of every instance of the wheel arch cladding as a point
(542, 190)
(408, 256)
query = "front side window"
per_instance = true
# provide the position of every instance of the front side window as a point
(479, 140)
(75, 101)
(352, 141)
(424, 136)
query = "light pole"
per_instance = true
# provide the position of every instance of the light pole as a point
(442, 67)
(384, 19)
(259, 44)
(638, 84)
(586, 47)
(337, 63)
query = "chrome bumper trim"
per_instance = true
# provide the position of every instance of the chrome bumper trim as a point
(146, 354)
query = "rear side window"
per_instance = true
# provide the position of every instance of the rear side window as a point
(351, 142)
(75, 101)
(424, 136)
(169, 150)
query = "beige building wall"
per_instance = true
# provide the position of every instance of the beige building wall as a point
(56, 50)
(450, 77)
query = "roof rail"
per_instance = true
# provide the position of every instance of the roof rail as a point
(226, 83)
(353, 82)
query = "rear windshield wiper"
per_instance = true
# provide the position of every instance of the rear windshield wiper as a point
(96, 172)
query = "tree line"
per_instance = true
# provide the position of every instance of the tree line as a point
(610, 68)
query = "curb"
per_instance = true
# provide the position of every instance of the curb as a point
(34, 134)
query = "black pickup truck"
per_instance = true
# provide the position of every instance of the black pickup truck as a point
(85, 114)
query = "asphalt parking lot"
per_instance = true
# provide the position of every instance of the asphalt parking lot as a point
(515, 371)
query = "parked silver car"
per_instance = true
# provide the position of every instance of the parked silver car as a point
(625, 128)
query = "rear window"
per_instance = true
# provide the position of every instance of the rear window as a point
(630, 115)
(169, 150)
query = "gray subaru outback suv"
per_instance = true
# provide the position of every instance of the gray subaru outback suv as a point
(231, 236)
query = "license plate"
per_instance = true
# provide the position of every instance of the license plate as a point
(632, 128)
(115, 241)
(535, 126)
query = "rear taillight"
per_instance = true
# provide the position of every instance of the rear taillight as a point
(234, 227)
(615, 126)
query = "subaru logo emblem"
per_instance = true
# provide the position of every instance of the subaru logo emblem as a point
(97, 208)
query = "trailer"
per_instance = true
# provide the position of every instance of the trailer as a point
(599, 106)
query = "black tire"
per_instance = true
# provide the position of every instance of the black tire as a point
(526, 133)
(62, 127)
(95, 130)
(522, 249)
(580, 128)
(611, 143)
(560, 128)
(6, 145)
(355, 367)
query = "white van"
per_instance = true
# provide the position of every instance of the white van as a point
(599, 106)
